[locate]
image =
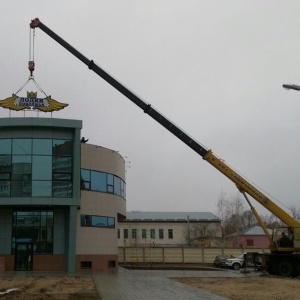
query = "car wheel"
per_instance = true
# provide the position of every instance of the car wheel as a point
(236, 266)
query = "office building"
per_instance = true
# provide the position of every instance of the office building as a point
(60, 199)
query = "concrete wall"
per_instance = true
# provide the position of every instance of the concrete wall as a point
(179, 255)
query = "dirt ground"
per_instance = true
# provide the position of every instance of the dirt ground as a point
(250, 288)
(83, 288)
(48, 288)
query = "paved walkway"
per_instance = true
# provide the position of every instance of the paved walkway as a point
(154, 284)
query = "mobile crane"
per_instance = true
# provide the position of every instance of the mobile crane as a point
(284, 261)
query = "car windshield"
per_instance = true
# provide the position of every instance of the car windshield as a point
(241, 256)
(221, 257)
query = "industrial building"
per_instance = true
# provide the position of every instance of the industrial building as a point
(166, 229)
(60, 199)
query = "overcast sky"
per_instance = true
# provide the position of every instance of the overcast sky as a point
(215, 68)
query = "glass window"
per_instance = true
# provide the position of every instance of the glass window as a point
(85, 185)
(33, 227)
(86, 220)
(144, 233)
(170, 233)
(26, 213)
(28, 167)
(62, 189)
(20, 188)
(42, 147)
(21, 146)
(41, 188)
(119, 233)
(85, 265)
(133, 233)
(111, 222)
(86, 175)
(5, 163)
(98, 181)
(122, 189)
(110, 183)
(250, 242)
(62, 148)
(125, 233)
(62, 164)
(98, 221)
(5, 146)
(42, 167)
(4, 188)
(110, 179)
(161, 233)
(85, 179)
(102, 182)
(117, 185)
(62, 176)
(152, 233)
(21, 164)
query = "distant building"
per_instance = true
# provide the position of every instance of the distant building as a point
(167, 228)
(60, 199)
(253, 237)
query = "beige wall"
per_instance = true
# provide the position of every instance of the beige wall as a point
(180, 230)
(94, 243)
(103, 159)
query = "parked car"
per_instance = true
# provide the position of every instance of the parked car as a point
(220, 260)
(251, 259)
(235, 263)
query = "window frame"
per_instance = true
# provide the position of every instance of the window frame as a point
(170, 234)
(161, 233)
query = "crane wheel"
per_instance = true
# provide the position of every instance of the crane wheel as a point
(285, 268)
(271, 271)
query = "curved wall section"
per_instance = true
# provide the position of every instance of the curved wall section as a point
(97, 245)
(103, 159)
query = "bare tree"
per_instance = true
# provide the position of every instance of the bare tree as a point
(235, 218)
(231, 212)
(201, 234)
(271, 221)
(248, 219)
(295, 212)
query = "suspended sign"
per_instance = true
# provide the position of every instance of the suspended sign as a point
(46, 104)
(31, 102)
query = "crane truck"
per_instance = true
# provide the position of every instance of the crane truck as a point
(281, 260)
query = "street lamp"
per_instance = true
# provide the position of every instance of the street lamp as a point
(291, 87)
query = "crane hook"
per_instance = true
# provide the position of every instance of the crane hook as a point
(31, 66)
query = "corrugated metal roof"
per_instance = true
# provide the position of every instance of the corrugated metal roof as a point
(170, 216)
(255, 230)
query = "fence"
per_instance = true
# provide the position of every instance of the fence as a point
(179, 255)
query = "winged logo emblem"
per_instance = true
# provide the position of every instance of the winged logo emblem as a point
(32, 102)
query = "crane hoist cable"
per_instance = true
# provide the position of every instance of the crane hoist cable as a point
(31, 63)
